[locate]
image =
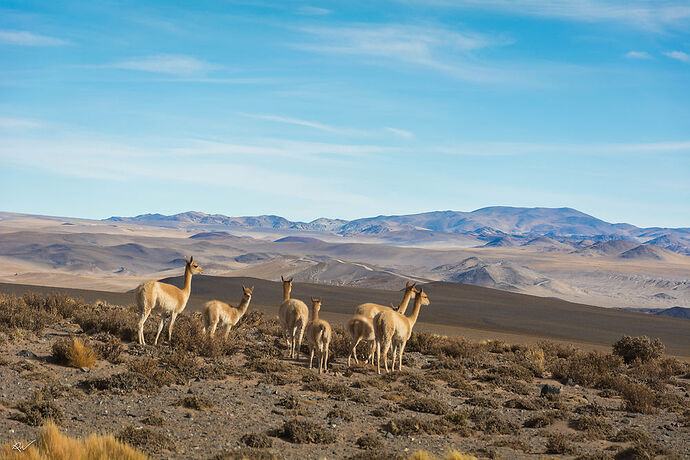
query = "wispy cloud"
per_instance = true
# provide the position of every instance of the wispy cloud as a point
(638, 55)
(172, 64)
(644, 14)
(14, 123)
(294, 121)
(678, 55)
(529, 148)
(313, 11)
(24, 38)
(399, 132)
(428, 47)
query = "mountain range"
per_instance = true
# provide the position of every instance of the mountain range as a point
(496, 226)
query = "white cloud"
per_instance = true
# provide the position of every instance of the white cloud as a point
(428, 47)
(23, 38)
(678, 55)
(293, 121)
(528, 148)
(313, 11)
(638, 55)
(14, 123)
(172, 64)
(400, 132)
(651, 15)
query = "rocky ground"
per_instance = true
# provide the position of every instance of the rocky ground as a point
(197, 398)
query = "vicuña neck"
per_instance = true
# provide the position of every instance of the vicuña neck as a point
(286, 292)
(314, 314)
(405, 302)
(244, 304)
(187, 281)
(415, 311)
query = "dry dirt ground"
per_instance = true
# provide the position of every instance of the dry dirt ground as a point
(197, 398)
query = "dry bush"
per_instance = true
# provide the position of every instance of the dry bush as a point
(646, 450)
(638, 398)
(385, 410)
(594, 409)
(267, 365)
(17, 313)
(426, 405)
(369, 442)
(421, 383)
(148, 440)
(454, 422)
(523, 404)
(559, 443)
(340, 342)
(640, 349)
(153, 420)
(144, 375)
(452, 455)
(658, 372)
(482, 401)
(108, 347)
(196, 402)
(337, 391)
(539, 421)
(556, 350)
(39, 408)
(256, 440)
(631, 435)
(490, 423)
(299, 431)
(587, 369)
(594, 427)
(118, 321)
(532, 358)
(53, 445)
(188, 336)
(74, 352)
(342, 414)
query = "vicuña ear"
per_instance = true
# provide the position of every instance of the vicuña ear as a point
(282, 279)
(291, 278)
(186, 260)
(191, 259)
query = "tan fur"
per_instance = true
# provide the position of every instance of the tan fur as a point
(360, 328)
(370, 310)
(294, 316)
(392, 328)
(318, 336)
(227, 315)
(154, 295)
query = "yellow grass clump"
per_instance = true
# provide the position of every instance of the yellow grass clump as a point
(53, 445)
(452, 455)
(74, 352)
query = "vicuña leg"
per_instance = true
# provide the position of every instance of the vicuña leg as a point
(160, 328)
(173, 317)
(142, 320)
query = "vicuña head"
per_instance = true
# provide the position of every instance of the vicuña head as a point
(247, 292)
(420, 294)
(192, 266)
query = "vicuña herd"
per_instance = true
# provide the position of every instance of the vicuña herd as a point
(379, 327)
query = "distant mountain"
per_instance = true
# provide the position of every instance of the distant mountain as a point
(649, 252)
(496, 226)
(675, 312)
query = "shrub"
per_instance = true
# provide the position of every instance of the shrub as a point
(638, 398)
(153, 420)
(594, 427)
(74, 352)
(39, 408)
(490, 423)
(256, 440)
(341, 414)
(304, 432)
(521, 403)
(148, 440)
(587, 369)
(17, 313)
(369, 442)
(108, 347)
(559, 443)
(195, 402)
(51, 441)
(426, 405)
(338, 391)
(538, 421)
(641, 349)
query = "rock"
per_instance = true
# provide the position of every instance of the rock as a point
(550, 390)
(27, 354)
(85, 369)
(569, 382)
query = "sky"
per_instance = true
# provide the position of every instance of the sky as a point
(346, 109)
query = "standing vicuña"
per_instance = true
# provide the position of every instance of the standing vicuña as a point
(165, 297)
(216, 312)
(294, 316)
(361, 328)
(318, 336)
(391, 327)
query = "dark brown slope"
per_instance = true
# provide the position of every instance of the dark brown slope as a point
(453, 305)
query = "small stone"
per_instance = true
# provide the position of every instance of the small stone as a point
(27, 354)
(550, 390)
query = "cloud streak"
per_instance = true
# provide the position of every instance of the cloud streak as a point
(643, 14)
(638, 55)
(24, 38)
(171, 64)
(678, 56)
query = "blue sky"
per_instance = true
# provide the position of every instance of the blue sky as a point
(346, 109)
